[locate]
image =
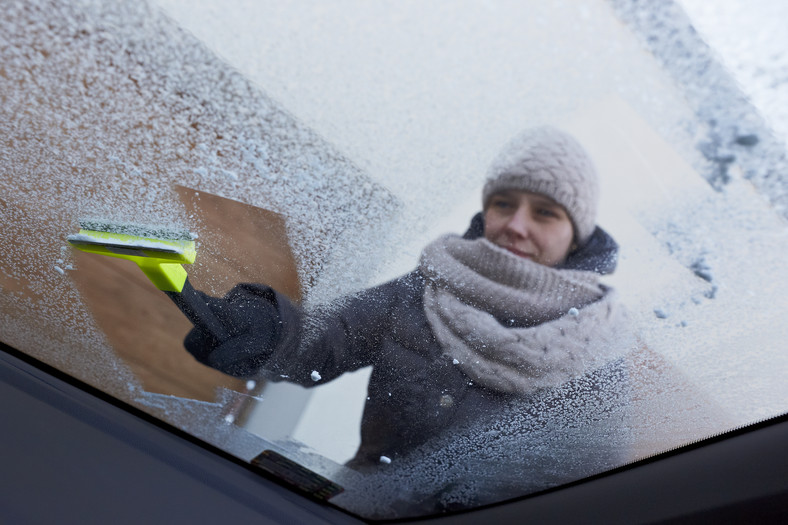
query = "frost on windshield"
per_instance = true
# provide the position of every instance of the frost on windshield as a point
(320, 150)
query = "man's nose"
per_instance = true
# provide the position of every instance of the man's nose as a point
(520, 223)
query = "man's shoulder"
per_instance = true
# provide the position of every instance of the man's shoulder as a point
(404, 290)
(409, 284)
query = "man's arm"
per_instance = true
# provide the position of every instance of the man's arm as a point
(272, 337)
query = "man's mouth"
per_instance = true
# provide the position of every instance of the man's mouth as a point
(519, 253)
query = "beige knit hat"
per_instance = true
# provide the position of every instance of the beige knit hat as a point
(548, 161)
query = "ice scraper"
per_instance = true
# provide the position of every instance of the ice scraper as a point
(160, 254)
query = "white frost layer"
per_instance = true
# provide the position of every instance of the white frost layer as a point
(750, 39)
(447, 102)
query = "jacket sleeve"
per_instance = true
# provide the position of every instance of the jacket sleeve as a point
(276, 339)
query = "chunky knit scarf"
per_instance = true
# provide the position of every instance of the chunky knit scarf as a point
(514, 325)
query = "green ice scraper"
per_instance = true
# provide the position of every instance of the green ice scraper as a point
(159, 252)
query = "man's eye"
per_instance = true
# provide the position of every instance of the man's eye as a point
(547, 212)
(501, 204)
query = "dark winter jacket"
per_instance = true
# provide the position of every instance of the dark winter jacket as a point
(415, 392)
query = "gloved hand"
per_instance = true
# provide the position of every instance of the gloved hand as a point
(249, 313)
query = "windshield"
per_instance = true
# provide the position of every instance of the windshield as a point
(317, 153)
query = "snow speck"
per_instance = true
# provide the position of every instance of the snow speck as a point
(59, 270)
(229, 418)
(660, 313)
(251, 384)
(455, 362)
(385, 459)
(315, 375)
(574, 312)
(229, 174)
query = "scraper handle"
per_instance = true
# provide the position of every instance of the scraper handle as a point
(194, 307)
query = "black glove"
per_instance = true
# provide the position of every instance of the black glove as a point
(250, 315)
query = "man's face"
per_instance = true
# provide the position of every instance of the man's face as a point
(529, 225)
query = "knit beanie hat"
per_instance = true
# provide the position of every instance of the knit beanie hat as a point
(548, 161)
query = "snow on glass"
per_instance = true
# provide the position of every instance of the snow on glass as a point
(379, 129)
